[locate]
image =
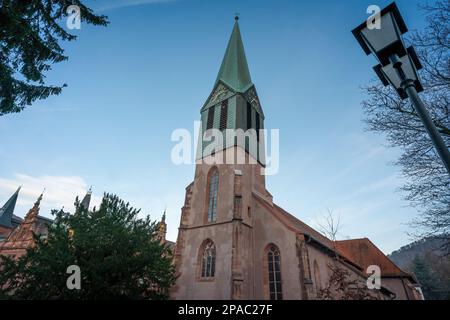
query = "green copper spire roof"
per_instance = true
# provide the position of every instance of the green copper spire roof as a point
(6, 212)
(234, 69)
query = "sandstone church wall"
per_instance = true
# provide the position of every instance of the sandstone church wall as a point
(321, 273)
(398, 286)
(190, 285)
(268, 230)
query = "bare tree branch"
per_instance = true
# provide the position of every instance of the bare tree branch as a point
(428, 183)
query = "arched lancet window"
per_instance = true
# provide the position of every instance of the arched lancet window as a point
(274, 269)
(208, 259)
(317, 276)
(212, 196)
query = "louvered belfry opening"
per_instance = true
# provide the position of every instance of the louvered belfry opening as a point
(223, 115)
(249, 115)
(210, 121)
(257, 127)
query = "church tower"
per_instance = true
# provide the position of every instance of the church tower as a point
(233, 241)
(213, 253)
(233, 107)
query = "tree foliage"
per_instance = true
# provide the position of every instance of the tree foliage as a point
(433, 273)
(118, 254)
(30, 32)
(427, 181)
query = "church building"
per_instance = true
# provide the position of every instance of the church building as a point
(234, 242)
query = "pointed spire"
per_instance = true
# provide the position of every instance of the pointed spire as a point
(162, 227)
(38, 201)
(7, 211)
(163, 219)
(34, 211)
(234, 69)
(87, 199)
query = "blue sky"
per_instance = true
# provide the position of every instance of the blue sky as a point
(150, 71)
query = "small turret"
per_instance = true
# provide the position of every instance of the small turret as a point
(162, 228)
(87, 199)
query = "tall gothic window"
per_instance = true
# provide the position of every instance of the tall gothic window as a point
(274, 269)
(213, 188)
(223, 115)
(208, 259)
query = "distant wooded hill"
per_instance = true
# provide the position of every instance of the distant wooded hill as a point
(430, 263)
(404, 256)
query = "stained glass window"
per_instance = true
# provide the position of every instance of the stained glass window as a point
(209, 260)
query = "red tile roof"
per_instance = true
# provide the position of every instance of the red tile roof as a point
(365, 253)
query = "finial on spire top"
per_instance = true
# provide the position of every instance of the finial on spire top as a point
(38, 201)
(163, 219)
(18, 189)
(236, 16)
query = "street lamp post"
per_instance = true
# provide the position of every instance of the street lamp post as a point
(398, 67)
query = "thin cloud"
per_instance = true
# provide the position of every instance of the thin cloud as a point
(360, 159)
(390, 183)
(55, 109)
(118, 4)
